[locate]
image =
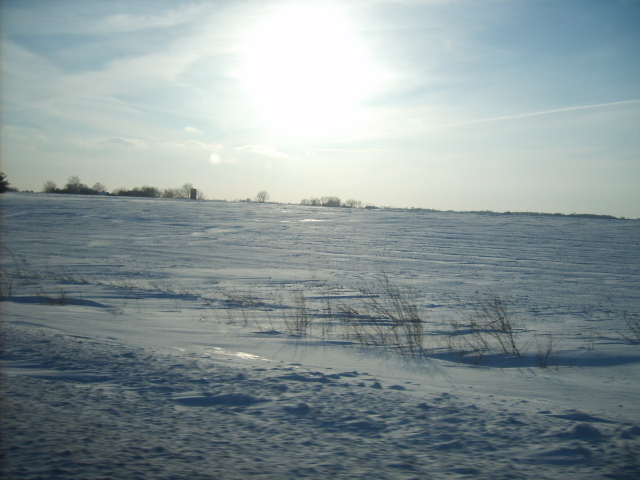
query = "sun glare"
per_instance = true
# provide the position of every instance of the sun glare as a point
(306, 72)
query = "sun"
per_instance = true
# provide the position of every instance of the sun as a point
(307, 72)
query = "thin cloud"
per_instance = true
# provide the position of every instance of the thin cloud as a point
(194, 145)
(486, 120)
(264, 150)
(124, 142)
(128, 22)
(365, 150)
(231, 154)
(118, 142)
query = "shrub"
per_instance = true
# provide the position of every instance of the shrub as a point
(545, 349)
(491, 327)
(299, 321)
(497, 320)
(387, 316)
(633, 330)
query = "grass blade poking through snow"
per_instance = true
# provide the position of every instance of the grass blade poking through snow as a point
(388, 316)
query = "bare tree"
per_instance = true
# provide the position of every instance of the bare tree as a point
(330, 201)
(4, 183)
(169, 193)
(322, 201)
(351, 203)
(182, 192)
(185, 191)
(262, 196)
(99, 187)
(49, 187)
(74, 185)
(313, 201)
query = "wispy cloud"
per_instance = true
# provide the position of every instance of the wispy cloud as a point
(128, 22)
(56, 17)
(117, 142)
(195, 144)
(265, 150)
(233, 154)
(486, 120)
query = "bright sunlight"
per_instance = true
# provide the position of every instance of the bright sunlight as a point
(306, 71)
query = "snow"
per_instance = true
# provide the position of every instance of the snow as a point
(150, 338)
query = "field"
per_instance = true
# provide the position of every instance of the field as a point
(168, 339)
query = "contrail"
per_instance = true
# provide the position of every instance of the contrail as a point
(494, 119)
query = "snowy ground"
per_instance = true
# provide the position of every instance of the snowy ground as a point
(175, 339)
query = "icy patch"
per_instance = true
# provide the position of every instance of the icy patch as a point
(242, 355)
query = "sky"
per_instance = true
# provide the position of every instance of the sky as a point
(509, 105)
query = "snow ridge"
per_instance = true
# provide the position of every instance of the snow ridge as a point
(99, 409)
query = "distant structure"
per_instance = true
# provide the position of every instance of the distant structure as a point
(193, 193)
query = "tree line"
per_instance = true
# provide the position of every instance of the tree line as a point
(75, 187)
(332, 201)
(4, 184)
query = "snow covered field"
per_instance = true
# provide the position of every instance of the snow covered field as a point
(165, 339)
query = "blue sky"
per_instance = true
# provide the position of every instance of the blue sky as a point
(463, 105)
